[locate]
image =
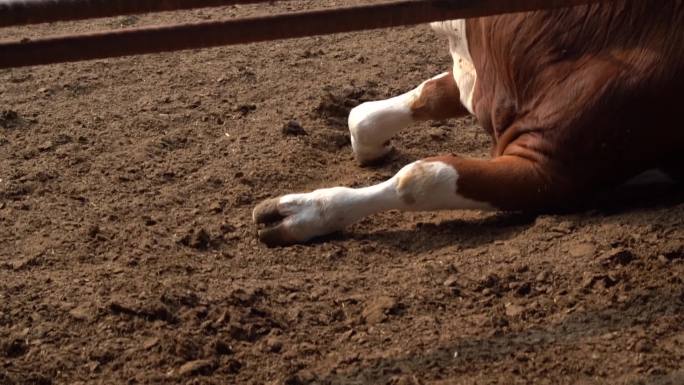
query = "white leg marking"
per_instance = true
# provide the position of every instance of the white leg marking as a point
(373, 124)
(464, 70)
(421, 185)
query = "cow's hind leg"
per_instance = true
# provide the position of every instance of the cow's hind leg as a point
(373, 124)
(450, 182)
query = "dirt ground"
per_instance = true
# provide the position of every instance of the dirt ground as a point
(128, 256)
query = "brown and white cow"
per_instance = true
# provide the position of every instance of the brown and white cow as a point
(576, 100)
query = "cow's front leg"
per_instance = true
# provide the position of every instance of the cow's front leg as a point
(443, 183)
(430, 184)
(373, 124)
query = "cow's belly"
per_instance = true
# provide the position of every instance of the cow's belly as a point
(464, 71)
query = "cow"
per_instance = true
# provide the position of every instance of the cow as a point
(576, 100)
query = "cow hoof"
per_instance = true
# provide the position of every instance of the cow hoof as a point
(267, 212)
(374, 158)
(298, 218)
(274, 232)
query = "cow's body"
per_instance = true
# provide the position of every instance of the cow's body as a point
(576, 100)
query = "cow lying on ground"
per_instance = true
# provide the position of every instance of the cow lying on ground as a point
(576, 100)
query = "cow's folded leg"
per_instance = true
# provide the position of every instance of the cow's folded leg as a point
(442, 183)
(373, 124)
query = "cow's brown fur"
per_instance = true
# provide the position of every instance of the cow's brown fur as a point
(591, 93)
(439, 99)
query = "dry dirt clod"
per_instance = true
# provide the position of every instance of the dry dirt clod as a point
(489, 281)
(245, 109)
(217, 207)
(274, 344)
(25, 262)
(378, 311)
(616, 257)
(199, 239)
(542, 276)
(602, 281)
(523, 289)
(293, 128)
(8, 118)
(451, 281)
(150, 343)
(513, 310)
(582, 250)
(197, 367)
(564, 227)
(81, 313)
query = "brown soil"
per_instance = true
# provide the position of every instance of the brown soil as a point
(127, 253)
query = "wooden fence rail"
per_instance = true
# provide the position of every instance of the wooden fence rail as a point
(248, 30)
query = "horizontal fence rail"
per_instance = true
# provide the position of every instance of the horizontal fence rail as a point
(248, 30)
(23, 12)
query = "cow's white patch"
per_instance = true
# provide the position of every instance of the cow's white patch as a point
(432, 185)
(422, 185)
(373, 124)
(464, 70)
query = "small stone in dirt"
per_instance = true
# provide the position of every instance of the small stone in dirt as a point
(437, 135)
(588, 280)
(489, 281)
(81, 313)
(25, 262)
(227, 228)
(306, 348)
(45, 146)
(582, 250)
(197, 367)
(378, 310)
(616, 256)
(293, 128)
(600, 280)
(274, 344)
(565, 227)
(217, 207)
(543, 276)
(150, 343)
(306, 376)
(514, 310)
(451, 281)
